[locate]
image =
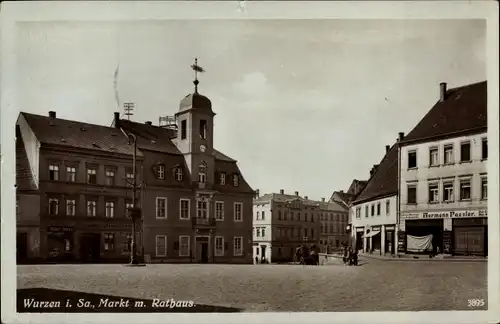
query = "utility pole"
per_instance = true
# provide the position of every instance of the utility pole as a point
(134, 212)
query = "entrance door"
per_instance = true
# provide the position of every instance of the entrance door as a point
(22, 246)
(469, 240)
(90, 247)
(204, 252)
(263, 251)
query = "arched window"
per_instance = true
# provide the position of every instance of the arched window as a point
(202, 172)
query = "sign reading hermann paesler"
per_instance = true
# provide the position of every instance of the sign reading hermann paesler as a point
(456, 214)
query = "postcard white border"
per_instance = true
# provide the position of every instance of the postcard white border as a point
(12, 12)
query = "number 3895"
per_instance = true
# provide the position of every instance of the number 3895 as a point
(476, 302)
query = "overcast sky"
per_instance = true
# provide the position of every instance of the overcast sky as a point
(302, 105)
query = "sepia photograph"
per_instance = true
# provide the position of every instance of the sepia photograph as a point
(220, 157)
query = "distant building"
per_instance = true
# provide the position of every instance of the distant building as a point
(334, 220)
(375, 208)
(444, 174)
(282, 223)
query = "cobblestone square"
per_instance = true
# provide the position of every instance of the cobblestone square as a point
(373, 286)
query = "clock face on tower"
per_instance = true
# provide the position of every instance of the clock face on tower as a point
(202, 148)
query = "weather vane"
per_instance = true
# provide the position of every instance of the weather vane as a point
(196, 68)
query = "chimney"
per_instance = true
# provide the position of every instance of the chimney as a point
(117, 120)
(149, 123)
(282, 191)
(306, 197)
(442, 91)
(323, 199)
(401, 136)
(257, 193)
(341, 191)
(52, 114)
(387, 148)
(296, 193)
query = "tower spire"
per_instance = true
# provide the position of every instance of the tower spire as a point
(196, 68)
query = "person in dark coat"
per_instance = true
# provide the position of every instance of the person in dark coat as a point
(355, 257)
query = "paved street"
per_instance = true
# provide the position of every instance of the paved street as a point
(373, 286)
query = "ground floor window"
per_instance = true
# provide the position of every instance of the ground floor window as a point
(238, 246)
(184, 245)
(219, 246)
(161, 245)
(109, 241)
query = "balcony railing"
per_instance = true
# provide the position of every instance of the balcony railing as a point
(207, 222)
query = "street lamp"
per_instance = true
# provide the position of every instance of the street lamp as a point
(134, 212)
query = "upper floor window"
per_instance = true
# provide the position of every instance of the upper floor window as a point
(160, 172)
(378, 209)
(448, 194)
(484, 188)
(263, 215)
(202, 208)
(412, 159)
(258, 232)
(373, 209)
(219, 210)
(70, 207)
(387, 207)
(412, 194)
(53, 206)
(110, 209)
(53, 172)
(202, 172)
(184, 209)
(236, 180)
(433, 192)
(161, 207)
(110, 177)
(366, 211)
(129, 178)
(178, 174)
(238, 212)
(91, 208)
(128, 205)
(279, 214)
(433, 156)
(70, 174)
(448, 154)
(222, 178)
(92, 175)
(183, 129)
(203, 129)
(465, 190)
(465, 152)
(358, 212)
(484, 150)
(257, 216)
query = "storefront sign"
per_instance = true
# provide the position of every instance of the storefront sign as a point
(360, 229)
(60, 229)
(448, 214)
(375, 228)
(389, 228)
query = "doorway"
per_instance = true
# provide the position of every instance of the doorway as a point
(263, 251)
(90, 247)
(22, 247)
(202, 249)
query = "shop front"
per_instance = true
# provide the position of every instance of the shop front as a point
(390, 239)
(60, 243)
(456, 232)
(359, 238)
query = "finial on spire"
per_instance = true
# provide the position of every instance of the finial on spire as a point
(196, 68)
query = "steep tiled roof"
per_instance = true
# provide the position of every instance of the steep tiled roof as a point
(24, 176)
(230, 168)
(333, 206)
(385, 179)
(69, 133)
(343, 196)
(158, 139)
(464, 109)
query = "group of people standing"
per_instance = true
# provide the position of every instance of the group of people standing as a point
(350, 256)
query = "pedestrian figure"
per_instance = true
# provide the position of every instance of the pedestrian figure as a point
(355, 257)
(345, 255)
(256, 260)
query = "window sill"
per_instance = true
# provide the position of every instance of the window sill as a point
(412, 168)
(161, 218)
(448, 163)
(448, 202)
(465, 200)
(465, 162)
(484, 159)
(411, 203)
(219, 220)
(433, 202)
(184, 219)
(434, 166)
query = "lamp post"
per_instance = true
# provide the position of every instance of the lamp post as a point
(134, 212)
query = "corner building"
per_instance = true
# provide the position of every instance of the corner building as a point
(443, 174)
(197, 206)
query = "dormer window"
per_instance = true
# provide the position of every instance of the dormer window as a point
(160, 171)
(236, 180)
(178, 173)
(202, 173)
(223, 178)
(203, 129)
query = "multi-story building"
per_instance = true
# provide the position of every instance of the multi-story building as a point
(334, 220)
(375, 208)
(443, 174)
(72, 190)
(74, 187)
(282, 223)
(197, 205)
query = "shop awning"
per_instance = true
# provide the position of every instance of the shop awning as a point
(372, 233)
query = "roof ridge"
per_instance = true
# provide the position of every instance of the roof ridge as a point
(67, 120)
(467, 85)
